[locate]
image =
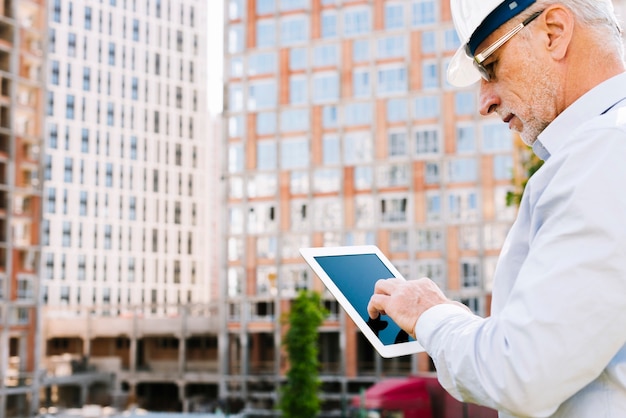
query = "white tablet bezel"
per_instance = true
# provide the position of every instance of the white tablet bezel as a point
(309, 254)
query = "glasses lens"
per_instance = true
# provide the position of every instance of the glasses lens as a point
(482, 70)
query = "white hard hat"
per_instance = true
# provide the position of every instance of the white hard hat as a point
(474, 21)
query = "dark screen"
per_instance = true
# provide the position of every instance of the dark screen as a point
(355, 275)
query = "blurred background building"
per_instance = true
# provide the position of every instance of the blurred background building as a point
(22, 55)
(128, 232)
(340, 129)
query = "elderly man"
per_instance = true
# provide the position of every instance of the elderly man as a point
(555, 344)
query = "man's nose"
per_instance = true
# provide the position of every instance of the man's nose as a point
(488, 100)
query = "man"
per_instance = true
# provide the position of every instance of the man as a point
(555, 344)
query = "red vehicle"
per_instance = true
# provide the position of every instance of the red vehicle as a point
(413, 397)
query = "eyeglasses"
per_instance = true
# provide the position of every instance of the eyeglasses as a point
(480, 58)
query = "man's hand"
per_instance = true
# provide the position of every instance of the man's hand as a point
(405, 301)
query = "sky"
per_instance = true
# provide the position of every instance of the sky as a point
(215, 55)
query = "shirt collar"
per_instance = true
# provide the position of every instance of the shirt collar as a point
(593, 103)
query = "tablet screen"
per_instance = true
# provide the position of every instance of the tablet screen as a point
(355, 275)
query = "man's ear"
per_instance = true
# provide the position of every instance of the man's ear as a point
(559, 28)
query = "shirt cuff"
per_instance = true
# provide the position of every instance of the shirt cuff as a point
(433, 318)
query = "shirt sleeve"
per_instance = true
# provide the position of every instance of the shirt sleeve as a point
(564, 319)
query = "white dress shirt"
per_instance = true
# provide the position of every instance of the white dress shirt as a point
(555, 345)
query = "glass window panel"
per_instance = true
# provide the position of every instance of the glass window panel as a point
(298, 58)
(363, 177)
(465, 139)
(394, 16)
(361, 50)
(266, 123)
(331, 152)
(294, 153)
(357, 148)
(266, 155)
(397, 110)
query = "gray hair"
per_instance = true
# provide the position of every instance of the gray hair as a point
(596, 15)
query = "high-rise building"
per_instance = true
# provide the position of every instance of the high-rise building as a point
(340, 129)
(126, 258)
(22, 40)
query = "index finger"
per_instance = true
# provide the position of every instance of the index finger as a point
(386, 286)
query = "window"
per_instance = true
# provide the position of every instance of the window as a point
(51, 200)
(399, 241)
(356, 21)
(426, 107)
(393, 209)
(68, 169)
(265, 123)
(432, 172)
(82, 211)
(330, 117)
(430, 75)
(329, 25)
(86, 79)
(326, 180)
(361, 83)
(265, 35)
(429, 42)
(451, 40)
(430, 239)
(236, 38)
(111, 53)
(294, 30)
(462, 205)
(397, 110)
(398, 145)
(423, 12)
(265, 7)
(464, 103)
(433, 206)
(262, 95)
(358, 114)
(462, 170)
(496, 137)
(266, 155)
(326, 56)
(56, 14)
(361, 50)
(364, 180)
(357, 148)
(135, 30)
(84, 140)
(54, 76)
(469, 274)
(53, 135)
(325, 87)
(298, 58)
(391, 47)
(393, 175)
(330, 150)
(394, 15)
(69, 106)
(294, 120)
(465, 139)
(71, 44)
(67, 234)
(264, 63)
(392, 80)
(235, 158)
(502, 167)
(294, 153)
(298, 93)
(427, 142)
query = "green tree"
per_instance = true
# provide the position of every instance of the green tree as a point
(299, 396)
(531, 164)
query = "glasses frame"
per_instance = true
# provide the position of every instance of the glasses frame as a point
(487, 52)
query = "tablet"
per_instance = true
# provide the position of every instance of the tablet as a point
(350, 274)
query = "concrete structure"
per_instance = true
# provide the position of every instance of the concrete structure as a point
(128, 230)
(340, 129)
(22, 40)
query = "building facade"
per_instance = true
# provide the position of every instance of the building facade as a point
(340, 129)
(22, 43)
(127, 207)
